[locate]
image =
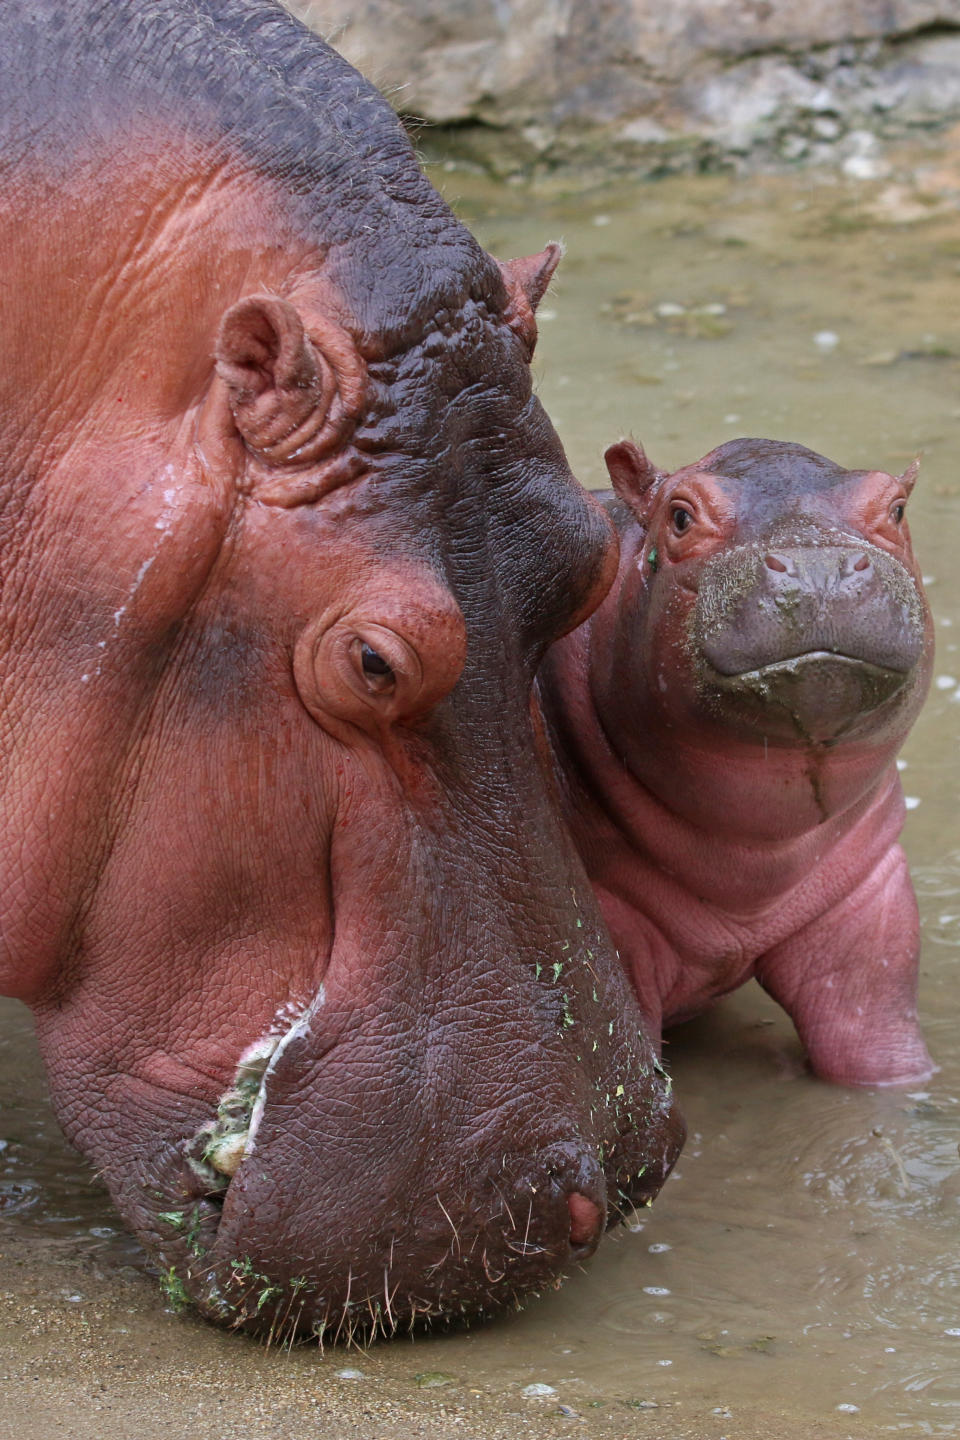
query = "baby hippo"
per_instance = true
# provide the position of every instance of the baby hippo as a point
(725, 729)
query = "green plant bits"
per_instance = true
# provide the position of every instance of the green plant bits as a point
(173, 1290)
(653, 559)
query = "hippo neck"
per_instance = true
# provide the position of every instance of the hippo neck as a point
(706, 829)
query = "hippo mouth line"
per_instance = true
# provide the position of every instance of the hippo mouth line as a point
(794, 665)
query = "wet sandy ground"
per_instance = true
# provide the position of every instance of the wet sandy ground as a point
(800, 1276)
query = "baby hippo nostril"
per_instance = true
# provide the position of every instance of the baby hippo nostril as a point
(862, 562)
(586, 1219)
(773, 562)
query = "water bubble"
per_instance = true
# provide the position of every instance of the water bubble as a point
(655, 1290)
(864, 167)
(349, 1374)
(659, 1248)
(538, 1392)
(945, 682)
(847, 1409)
(911, 801)
(826, 340)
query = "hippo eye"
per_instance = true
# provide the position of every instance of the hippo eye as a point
(898, 512)
(681, 518)
(378, 674)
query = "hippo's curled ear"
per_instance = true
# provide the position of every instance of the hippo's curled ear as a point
(527, 280)
(633, 475)
(295, 391)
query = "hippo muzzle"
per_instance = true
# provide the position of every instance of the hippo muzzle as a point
(806, 641)
(371, 1169)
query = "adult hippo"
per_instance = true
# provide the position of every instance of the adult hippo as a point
(726, 727)
(319, 982)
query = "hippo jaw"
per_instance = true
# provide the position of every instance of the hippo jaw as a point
(818, 697)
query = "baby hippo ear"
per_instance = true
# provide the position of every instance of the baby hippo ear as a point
(633, 476)
(527, 280)
(294, 389)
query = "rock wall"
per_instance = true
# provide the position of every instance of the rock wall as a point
(669, 82)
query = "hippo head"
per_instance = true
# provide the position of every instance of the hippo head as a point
(772, 599)
(319, 981)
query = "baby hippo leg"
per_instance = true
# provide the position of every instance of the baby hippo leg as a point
(848, 981)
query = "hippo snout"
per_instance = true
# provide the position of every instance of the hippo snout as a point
(474, 1242)
(760, 606)
(431, 1200)
(808, 638)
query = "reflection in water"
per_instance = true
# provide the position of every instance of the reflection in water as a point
(45, 1186)
(806, 1257)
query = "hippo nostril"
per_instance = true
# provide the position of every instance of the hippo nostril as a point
(586, 1219)
(862, 562)
(773, 562)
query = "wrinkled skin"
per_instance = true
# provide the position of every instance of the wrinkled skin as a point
(725, 728)
(320, 984)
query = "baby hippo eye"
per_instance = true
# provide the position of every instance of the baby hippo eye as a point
(377, 672)
(681, 518)
(898, 512)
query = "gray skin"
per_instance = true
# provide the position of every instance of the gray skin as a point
(725, 728)
(319, 981)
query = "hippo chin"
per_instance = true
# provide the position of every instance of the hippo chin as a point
(319, 981)
(725, 728)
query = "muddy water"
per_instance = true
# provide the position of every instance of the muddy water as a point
(800, 1275)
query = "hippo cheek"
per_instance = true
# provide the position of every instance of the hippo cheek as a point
(815, 698)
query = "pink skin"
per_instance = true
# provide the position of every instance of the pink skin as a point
(717, 852)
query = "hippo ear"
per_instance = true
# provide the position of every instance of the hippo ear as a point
(527, 280)
(632, 475)
(294, 390)
(909, 477)
(533, 273)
